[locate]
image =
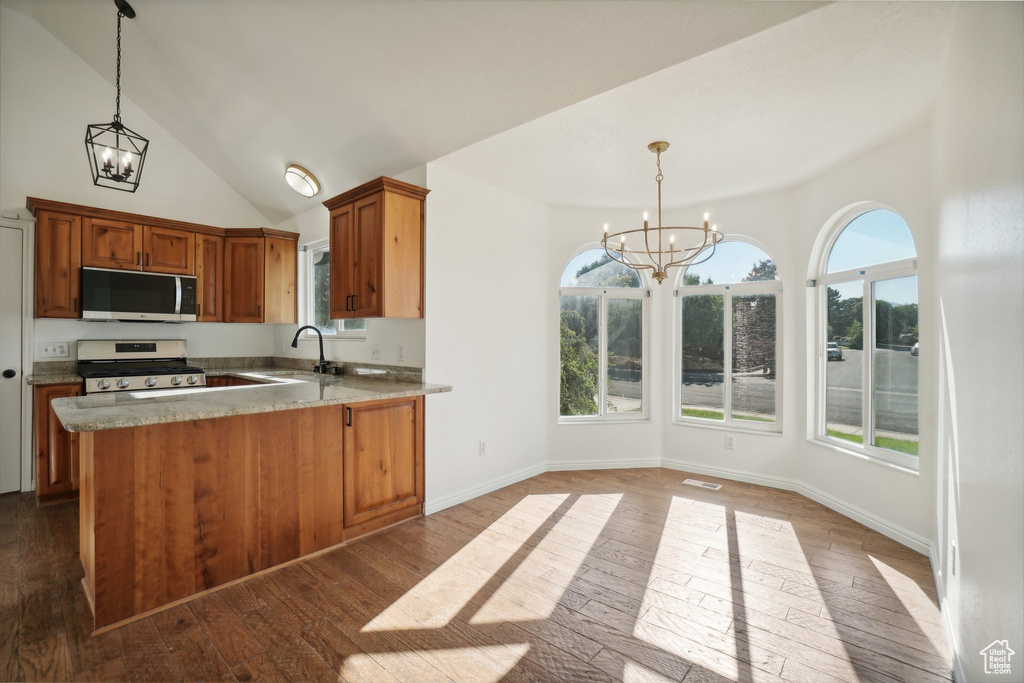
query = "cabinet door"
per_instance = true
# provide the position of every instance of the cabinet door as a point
(341, 268)
(111, 244)
(56, 448)
(280, 291)
(58, 265)
(366, 258)
(383, 456)
(209, 278)
(168, 251)
(243, 279)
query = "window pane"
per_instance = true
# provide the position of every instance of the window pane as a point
(578, 355)
(703, 390)
(731, 262)
(869, 239)
(353, 324)
(895, 366)
(844, 407)
(753, 358)
(321, 292)
(625, 355)
(594, 268)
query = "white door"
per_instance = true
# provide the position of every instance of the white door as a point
(11, 377)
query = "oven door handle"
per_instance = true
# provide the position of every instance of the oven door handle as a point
(177, 296)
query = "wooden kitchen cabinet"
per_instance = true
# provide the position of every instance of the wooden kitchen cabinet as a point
(166, 250)
(56, 449)
(58, 265)
(209, 261)
(376, 241)
(108, 243)
(123, 245)
(260, 279)
(383, 463)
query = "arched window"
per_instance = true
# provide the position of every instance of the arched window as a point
(602, 340)
(730, 331)
(868, 336)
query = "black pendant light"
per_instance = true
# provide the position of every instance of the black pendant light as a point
(116, 152)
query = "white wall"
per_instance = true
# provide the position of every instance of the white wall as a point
(979, 184)
(898, 174)
(488, 333)
(313, 225)
(47, 98)
(577, 445)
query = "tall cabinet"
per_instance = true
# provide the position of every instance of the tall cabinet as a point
(376, 238)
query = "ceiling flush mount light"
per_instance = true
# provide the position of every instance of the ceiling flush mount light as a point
(116, 153)
(658, 249)
(301, 180)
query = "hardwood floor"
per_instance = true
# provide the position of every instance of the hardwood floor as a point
(624, 575)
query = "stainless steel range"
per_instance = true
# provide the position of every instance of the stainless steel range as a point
(133, 365)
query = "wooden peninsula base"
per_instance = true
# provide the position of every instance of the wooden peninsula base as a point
(171, 510)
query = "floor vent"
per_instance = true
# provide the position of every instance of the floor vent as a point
(703, 484)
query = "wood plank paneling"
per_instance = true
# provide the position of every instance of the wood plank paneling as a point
(280, 286)
(403, 256)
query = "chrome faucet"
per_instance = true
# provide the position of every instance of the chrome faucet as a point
(322, 366)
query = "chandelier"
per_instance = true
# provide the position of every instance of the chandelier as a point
(116, 152)
(658, 249)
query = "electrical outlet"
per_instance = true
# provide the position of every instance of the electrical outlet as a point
(730, 441)
(483, 448)
(401, 353)
(52, 349)
(375, 352)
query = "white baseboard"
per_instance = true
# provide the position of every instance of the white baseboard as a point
(570, 465)
(884, 527)
(868, 519)
(940, 587)
(432, 506)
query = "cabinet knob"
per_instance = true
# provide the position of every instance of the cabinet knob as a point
(9, 373)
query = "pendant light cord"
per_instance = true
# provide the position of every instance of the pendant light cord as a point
(117, 116)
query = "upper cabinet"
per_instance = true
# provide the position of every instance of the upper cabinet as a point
(168, 251)
(58, 263)
(209, 278)
(129, 246)
(242, 275)
(260, 278)
(376, 238)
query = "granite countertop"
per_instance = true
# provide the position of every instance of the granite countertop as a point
(283, 389)
(42, 378)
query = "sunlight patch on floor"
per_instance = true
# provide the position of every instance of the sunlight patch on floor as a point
(915, 602)
(454, 583)
(546, 595)
(481, 663)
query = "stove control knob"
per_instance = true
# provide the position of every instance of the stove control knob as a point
(123, 383)
(192, 379)
(176, 380)
(151, 381)
(103, 384)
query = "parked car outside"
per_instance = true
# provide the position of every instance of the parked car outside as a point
(834, 351)
(913, 351)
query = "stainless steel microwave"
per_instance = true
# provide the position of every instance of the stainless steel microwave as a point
(132, 295)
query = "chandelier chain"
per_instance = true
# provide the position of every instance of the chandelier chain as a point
(117, 116)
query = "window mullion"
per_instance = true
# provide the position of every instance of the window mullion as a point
(727, 356)
(868, 361)
(602, 360)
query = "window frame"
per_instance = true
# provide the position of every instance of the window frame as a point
(604, 294)
(869, 275)
(728, 291)
(308, 314)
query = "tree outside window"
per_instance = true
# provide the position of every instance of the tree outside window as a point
(602, 345)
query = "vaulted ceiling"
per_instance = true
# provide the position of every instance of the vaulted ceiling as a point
(553, 100)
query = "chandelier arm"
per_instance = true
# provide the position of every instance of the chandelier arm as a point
(635, 266)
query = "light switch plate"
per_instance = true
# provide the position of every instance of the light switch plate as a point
(52, 349)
